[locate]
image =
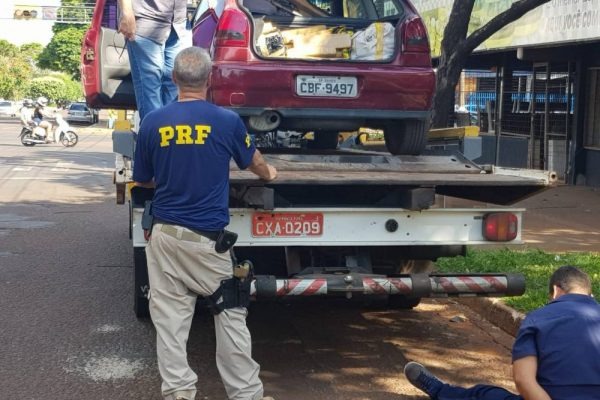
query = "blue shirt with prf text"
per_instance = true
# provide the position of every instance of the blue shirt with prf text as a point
(565, 337)
(187, 147)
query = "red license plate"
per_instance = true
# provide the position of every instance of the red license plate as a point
(287, 224)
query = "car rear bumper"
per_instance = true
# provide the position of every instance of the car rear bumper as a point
(335, 113)
(273, 86)
(74, 118)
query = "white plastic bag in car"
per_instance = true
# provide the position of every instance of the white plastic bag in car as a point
(376, 42)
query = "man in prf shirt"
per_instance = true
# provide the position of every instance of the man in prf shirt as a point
(184, 150)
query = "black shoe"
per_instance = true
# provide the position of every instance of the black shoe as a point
(421, 378)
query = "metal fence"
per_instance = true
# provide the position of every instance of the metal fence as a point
(528, 109)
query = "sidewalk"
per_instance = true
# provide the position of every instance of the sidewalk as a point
(561, 219)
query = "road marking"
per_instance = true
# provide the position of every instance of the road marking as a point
(34, 178)
(105, 368)
(62, 166)
(24, 169)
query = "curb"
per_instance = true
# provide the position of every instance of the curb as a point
(496, 312)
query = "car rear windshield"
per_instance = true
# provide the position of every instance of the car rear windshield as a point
(78, 107)
(359, 9)
(5, 104)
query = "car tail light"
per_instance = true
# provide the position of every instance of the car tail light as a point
(500, 227)
(233, 34)
(415, 37)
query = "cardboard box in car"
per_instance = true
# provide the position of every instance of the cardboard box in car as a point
(290, 34)
(310, 42)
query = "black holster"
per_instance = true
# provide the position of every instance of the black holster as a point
(147, 217)
(233, 292)
(225, 241)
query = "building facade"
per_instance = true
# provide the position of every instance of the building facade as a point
(535, 84)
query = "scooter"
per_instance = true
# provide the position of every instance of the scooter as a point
(32, 135)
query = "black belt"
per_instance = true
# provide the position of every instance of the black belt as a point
(212, 235)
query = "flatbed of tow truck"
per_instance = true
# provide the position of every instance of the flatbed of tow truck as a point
(442, 174)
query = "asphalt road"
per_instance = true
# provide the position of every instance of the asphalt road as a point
(67, 329)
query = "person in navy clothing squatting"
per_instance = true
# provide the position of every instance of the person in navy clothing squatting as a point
(184, 150)
(556, 355)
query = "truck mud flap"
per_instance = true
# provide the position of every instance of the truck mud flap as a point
(415, 285)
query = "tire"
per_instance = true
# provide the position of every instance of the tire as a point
(69, 141)
(399, 302)
(141, 285)
(24, 143)
(408, 137)
(324, 140)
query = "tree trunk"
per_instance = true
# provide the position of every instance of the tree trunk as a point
(456, 48)
(452, 61)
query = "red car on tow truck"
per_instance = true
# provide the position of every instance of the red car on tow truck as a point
(321, 66)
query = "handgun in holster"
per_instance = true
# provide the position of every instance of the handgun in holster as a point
(235, 291)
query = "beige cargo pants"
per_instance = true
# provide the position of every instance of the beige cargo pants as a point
(182, 265)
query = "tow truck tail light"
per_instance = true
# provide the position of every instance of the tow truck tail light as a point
(233, 34)
(500, 226)
(415, 37)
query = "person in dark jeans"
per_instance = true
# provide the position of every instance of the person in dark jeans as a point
(556, 355)
(156, 32)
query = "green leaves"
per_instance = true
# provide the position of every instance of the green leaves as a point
(15, 72)
(63, 51)
(58, 88)
(535, 265)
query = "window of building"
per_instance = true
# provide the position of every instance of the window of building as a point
(592, 114)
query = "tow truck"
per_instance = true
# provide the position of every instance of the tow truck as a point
(353, 222)
(346, 222)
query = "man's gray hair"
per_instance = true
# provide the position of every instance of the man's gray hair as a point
(192, 67)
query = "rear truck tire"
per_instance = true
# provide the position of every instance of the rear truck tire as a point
(407, 137)
(324, 140)
(141, 285)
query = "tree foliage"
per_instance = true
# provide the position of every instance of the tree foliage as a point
(30, 52)
(58, 88)
(15, 73)
(457, 46)
(62, 53)
(8, 49)
(75, 11)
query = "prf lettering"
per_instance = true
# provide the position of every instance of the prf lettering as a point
(183, 134)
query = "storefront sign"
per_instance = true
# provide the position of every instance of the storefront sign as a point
(559, 21)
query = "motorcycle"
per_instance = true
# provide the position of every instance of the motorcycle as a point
(32, 135)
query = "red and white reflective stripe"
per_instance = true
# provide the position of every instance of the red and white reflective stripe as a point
(437, 286)
(469, 284)
(301, 287)
(387, 285)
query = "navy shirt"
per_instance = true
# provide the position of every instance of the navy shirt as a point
(565, 338)
(187, 147)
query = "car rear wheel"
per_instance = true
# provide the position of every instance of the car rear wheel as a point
(324, 140)
(407, 137)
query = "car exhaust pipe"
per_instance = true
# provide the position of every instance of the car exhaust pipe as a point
(414, 285)
(266, 122)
